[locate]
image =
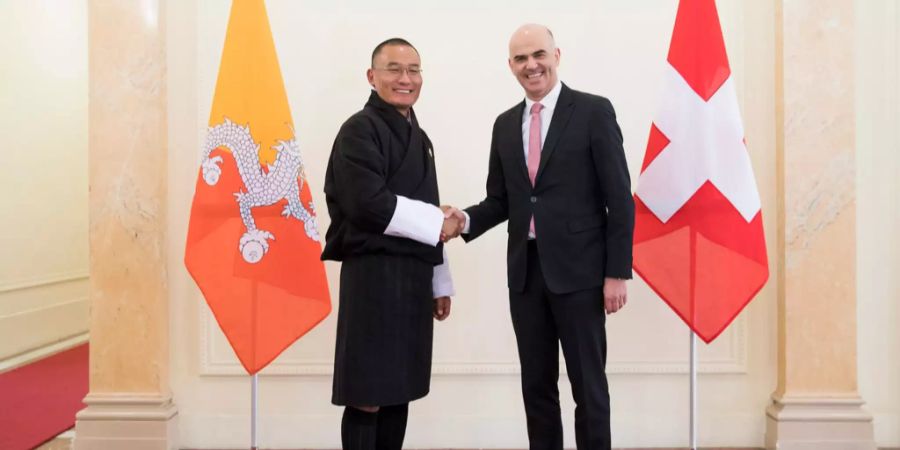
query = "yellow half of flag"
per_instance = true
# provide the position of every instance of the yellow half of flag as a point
(250, 86)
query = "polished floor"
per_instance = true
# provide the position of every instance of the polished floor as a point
(66, 444)
(57, 444)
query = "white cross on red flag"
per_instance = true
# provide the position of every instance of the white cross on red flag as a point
(698, 240)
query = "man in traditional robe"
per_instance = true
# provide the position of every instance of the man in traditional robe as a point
(386, 227)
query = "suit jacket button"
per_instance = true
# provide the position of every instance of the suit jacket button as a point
(533, 199)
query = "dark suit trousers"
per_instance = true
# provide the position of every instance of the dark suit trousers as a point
(542, 320)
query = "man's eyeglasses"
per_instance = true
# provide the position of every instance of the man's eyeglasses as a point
(397, 71)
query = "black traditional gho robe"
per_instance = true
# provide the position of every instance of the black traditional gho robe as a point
(385, 326)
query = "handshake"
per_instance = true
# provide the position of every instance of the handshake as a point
(454, 222)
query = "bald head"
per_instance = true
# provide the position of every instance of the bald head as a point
(533, 59)
(532, 31)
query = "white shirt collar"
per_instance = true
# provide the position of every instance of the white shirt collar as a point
(549, 100)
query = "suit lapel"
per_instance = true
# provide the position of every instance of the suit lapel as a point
(519, 147)
(561, 115)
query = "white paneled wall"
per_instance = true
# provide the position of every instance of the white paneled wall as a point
(616, 49)
(609, 47)
(43, 178)
(878, 215)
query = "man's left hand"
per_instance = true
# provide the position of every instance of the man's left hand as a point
(441, 308)
(615, 294)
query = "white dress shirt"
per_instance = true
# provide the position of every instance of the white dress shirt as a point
(549, 102)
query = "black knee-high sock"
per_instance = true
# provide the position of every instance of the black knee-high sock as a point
(391, 427)
(358, 429)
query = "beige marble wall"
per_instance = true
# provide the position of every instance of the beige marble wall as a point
(816, 401)
(127, 139)
(129, 404)
(43, 175)
(818, 257)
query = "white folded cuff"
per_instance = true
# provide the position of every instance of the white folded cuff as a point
(468, 224)
(442, 282)
(416, 220)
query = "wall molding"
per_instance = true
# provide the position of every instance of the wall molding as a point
(893, 84)
(43, 280)
(127, 406)
(45, 308)
(210, 365)
(34, 333)
(127, 420)
(834, 421)
(43, 352)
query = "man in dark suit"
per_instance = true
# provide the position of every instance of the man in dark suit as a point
(558, 173)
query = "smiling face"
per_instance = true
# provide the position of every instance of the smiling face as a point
(533, 59)
(395, 75)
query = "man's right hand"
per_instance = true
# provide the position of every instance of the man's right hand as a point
(615, 294)
(454, 222)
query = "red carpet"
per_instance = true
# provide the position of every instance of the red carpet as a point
(39, 400)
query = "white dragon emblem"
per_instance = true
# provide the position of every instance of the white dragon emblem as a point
(262, 188)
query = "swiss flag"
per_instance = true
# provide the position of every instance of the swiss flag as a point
(698, 239)
(253, 245)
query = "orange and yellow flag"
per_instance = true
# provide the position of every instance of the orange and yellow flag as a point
(253, 245)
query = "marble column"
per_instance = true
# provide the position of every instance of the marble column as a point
(816, 405)
(129, 404)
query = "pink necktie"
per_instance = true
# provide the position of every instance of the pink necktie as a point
(534, 148)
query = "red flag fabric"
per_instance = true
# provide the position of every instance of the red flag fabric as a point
(253, 245)
(699, 239)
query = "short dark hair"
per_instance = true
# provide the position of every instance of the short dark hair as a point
(391, 41)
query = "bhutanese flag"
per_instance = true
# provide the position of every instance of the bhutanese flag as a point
(253, 246)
